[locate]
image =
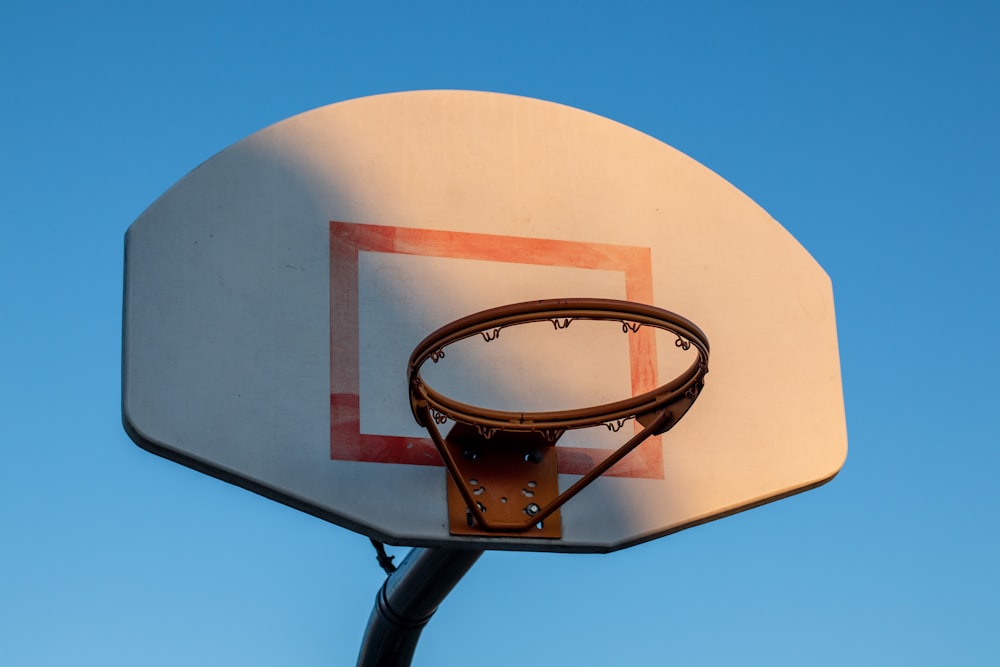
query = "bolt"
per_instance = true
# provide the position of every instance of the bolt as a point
(532, 509)
(535, 456)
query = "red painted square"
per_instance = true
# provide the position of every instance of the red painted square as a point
(348, 443)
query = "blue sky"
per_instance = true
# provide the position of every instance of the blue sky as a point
(867, 129)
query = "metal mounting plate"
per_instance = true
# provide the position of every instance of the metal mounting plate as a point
(506, 473)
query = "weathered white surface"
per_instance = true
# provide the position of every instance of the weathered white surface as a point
(228, 310)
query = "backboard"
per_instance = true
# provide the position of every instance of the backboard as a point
(274, 295)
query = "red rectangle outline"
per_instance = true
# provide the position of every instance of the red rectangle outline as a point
(347, 443)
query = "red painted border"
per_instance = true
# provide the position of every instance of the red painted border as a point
(347, 443)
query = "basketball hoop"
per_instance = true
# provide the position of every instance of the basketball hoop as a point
(519, 441)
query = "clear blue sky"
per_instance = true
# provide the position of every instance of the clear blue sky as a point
(869, 130)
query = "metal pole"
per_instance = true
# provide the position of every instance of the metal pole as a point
(407, 600)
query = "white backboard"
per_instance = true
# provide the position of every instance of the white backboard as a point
(273, 297)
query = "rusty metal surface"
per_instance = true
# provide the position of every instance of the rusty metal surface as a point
(510, 477)
(683, 389)
(502, 468)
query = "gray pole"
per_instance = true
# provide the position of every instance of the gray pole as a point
(407, 600)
